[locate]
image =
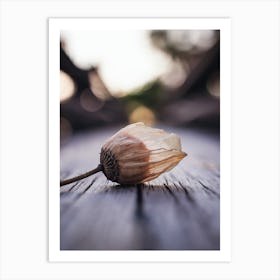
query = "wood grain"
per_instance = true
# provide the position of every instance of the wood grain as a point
(180, 210)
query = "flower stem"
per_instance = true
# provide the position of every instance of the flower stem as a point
(80, 177)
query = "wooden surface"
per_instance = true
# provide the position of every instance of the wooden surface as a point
(180, 210)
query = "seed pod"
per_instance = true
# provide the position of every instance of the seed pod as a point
(138, 153)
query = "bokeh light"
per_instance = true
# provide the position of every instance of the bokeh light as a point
(213, 84)
(67, 86)
(89, 102)
(142, 114)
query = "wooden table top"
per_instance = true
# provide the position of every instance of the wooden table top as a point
(180, 210)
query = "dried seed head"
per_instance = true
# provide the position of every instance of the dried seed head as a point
(138, 153)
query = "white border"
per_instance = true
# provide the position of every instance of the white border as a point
(224, 254)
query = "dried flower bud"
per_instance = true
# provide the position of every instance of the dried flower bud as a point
(138, 153)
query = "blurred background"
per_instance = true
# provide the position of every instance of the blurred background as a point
(116, 77)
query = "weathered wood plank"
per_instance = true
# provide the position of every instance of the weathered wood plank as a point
(180, 210)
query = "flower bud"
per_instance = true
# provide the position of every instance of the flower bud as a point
(137, 154)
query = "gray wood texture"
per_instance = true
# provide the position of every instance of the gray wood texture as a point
(180, 210)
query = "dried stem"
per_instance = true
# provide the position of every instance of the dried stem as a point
(80, 177)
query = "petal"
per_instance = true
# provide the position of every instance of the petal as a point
(164, 161)
(153, 138)
(165, 141)
(134, 172)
